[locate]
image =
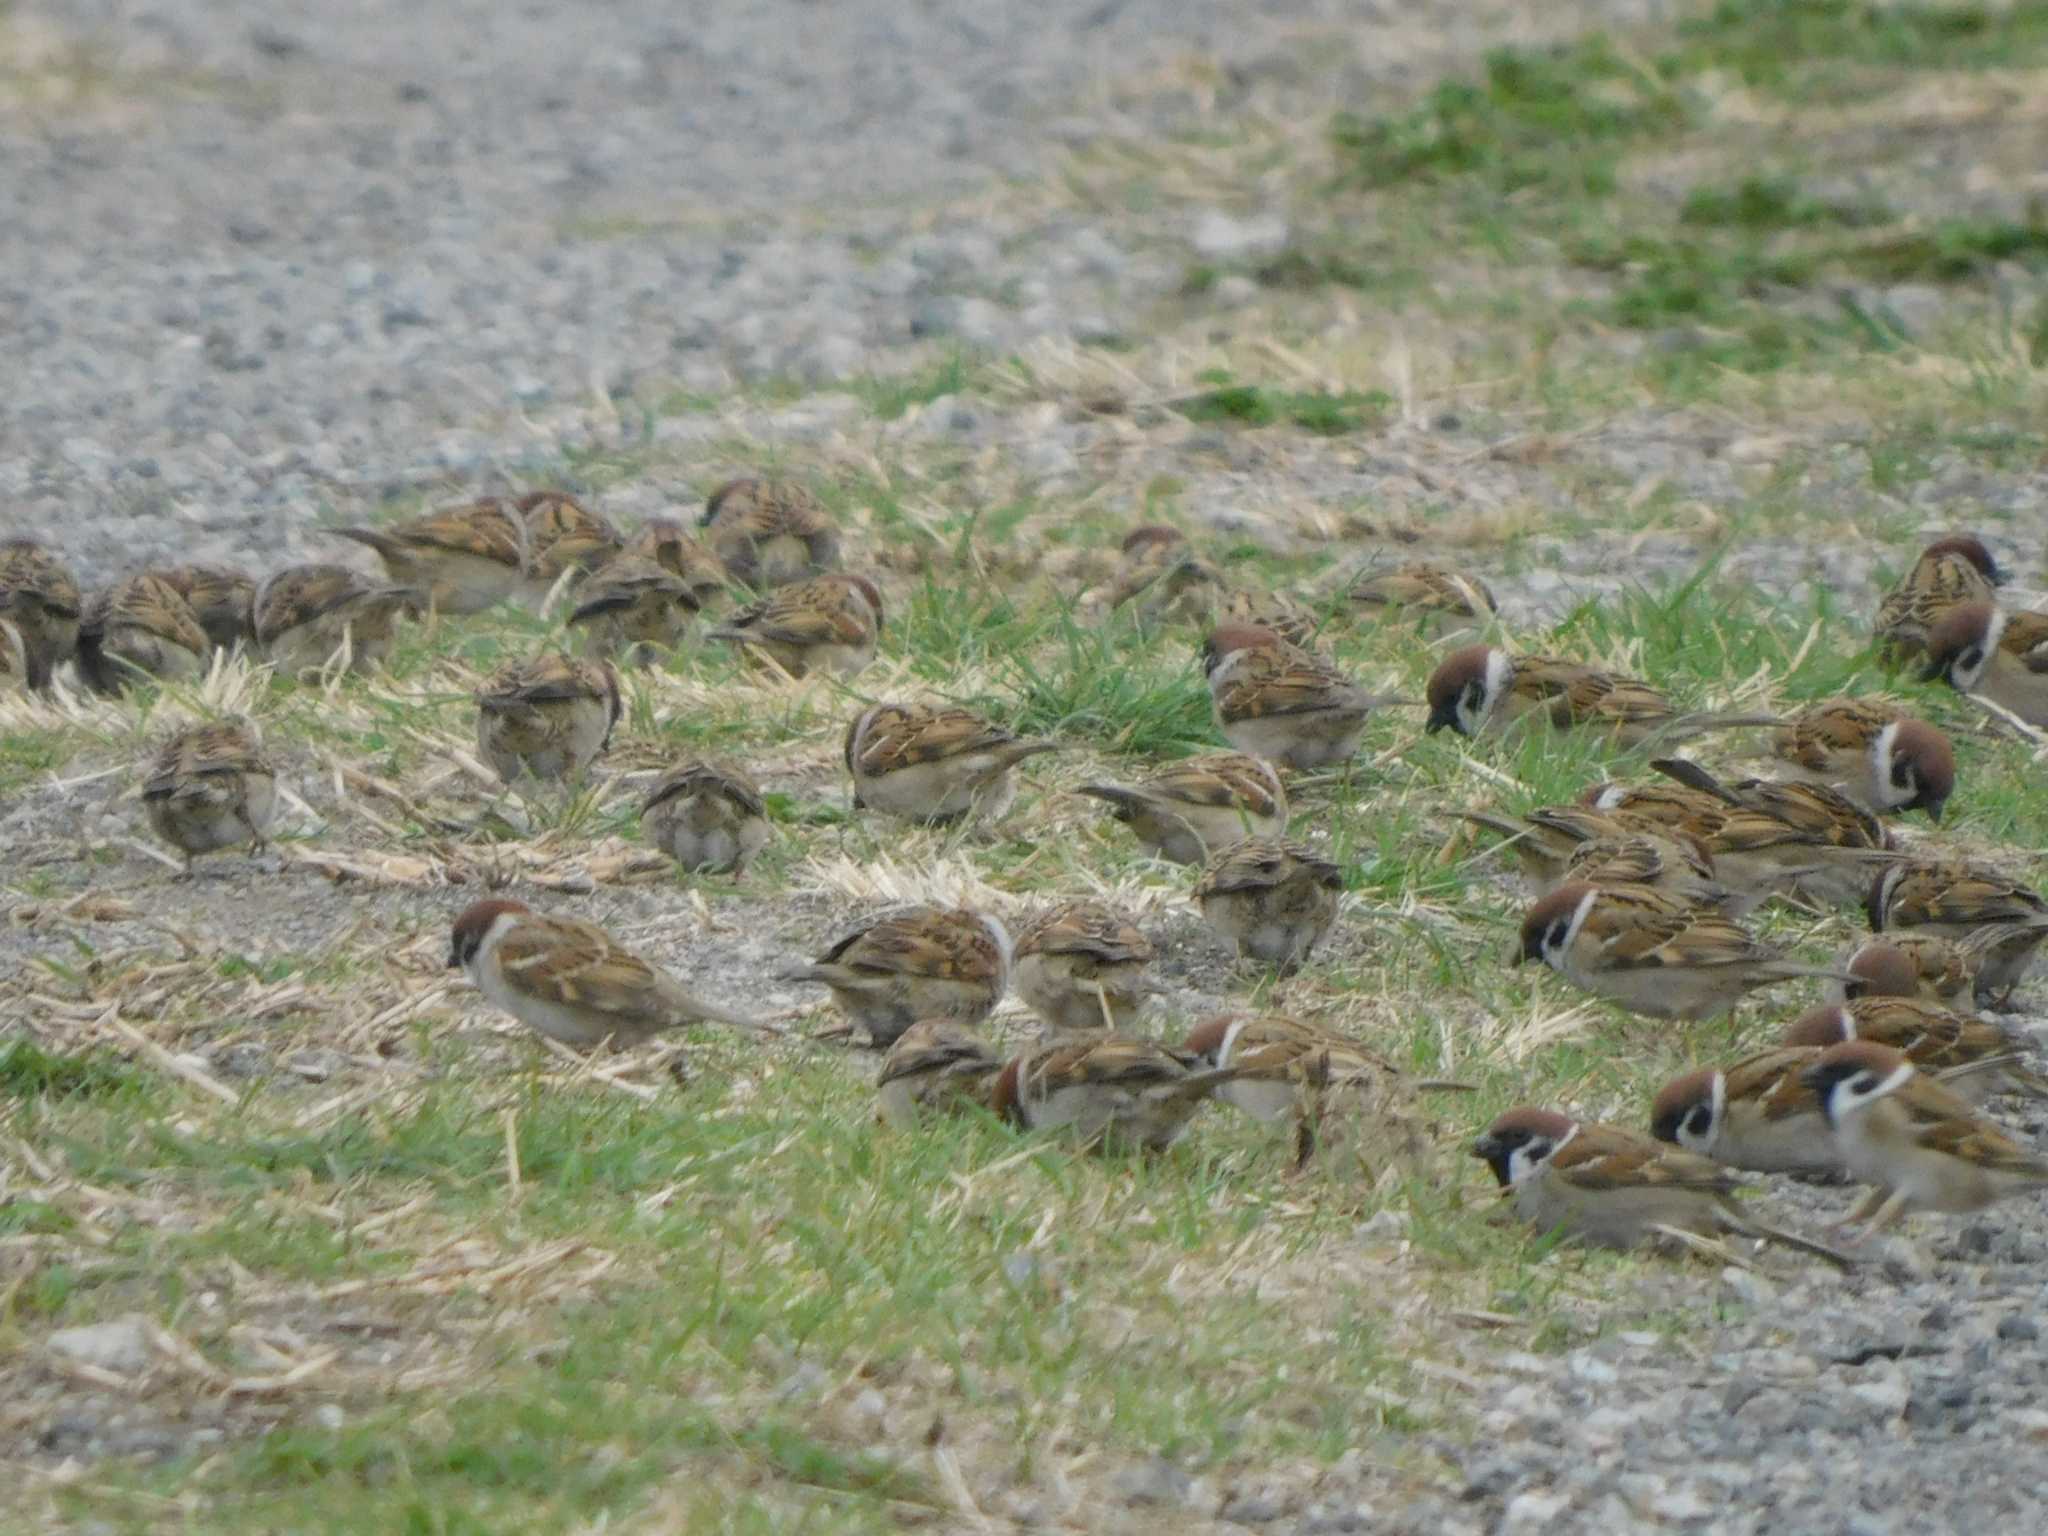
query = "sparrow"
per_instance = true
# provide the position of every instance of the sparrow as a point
(39, 597)
(1914, 963)
(1434, 598)
(2001, 656)
(1784, 836)
(932, 763)
(465, 558)
(668, 542)
(1949, 573)
(1556, 842)
(1615, 1188)
(222, 599)
(546, 718)
(831, 623)
(1671, 868)
(570, 980)
(211, 787)
(1272, 898)
(1920, 1146)
(1253, 608)
(1974, 1056)
(1279, 702)
(1650, 953)
(13, 657)
(770, 532)
(1192, 808)
(1109, 1090)
(564, 538)
(139, 626)
(1888, 762)
(306, 614)
(708, 817)
(1758, 1114)
(921, 963)
(631, 609)
(1080, 966)
(1966, 901)
(936, 1066)
(1484, 688)
(1160, 578)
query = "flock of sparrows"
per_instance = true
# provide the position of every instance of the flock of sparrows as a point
(1640, 888)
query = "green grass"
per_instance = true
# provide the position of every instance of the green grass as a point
(1257, 405)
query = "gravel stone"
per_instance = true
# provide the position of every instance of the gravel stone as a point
(120, 1345)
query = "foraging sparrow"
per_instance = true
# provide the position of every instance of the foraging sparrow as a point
(630, 609)
(1889, 762)
(1949, 573)
(1272, 898)
(1960, 899)
(831, 623)
(1919, 1145)
(1913, 963)
(770, 532)
(668, 542)
(1435, 598)
(1971, 1055)
(933, 763)
(1080, 966)
(1252, 608)
(305, 614)
(222, 599)
(570, 980)
(464, 558)
(922, 963)
(1650, 953)
(546, 718)
(708, 817)
(563, 538)
(1555, 843)
(39, 596)
(1279, 702)
(1650, 859)
(936, 1066)
(1188, 810)
(1758, 1114)
(1999, 655)
(1787, 836)
(139, 626)
(1615, 1188)
(1108, 1089)
(1484, 688)
(211, 787)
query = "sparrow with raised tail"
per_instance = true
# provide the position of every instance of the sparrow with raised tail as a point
(39, 597)
(222, 599)
(1998, 655)
(708, 817)
(1915, 963)
(1969, 902)
(306, 614)
(921, 963)
(1188, 810)
(631, 609)
(1889, 762)
(936, 1067)
(464, 558)
(139, 627)
(1949, 573)
(1434, 598)
(1080, 966)
(209, 787)
(1484, 688)
(770, 532)
(1109, 1090)
(1920, 1146)
(831, 623)
(1279, 702)
(570, 980)
(1652, 954)
(668, 542)
(1971, 1055)
(1273, 899)
(1758, 1114)
(546, 718)
(932, 763)
(1782, 836)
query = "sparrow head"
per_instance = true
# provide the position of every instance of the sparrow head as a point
(1148, 536)
(1960, 646)
(870, 594)
(1823, 1026)
(1521, 1141)
(1919, 767)
(1228, 639)
(1464, 688)
(1549, 926)
(1211, 1039)
(474, 926)
(1881, 970)
(1687, 1110)
(1972, 549)
(1854, 1075)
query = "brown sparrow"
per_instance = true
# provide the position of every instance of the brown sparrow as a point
(668, 542)
(1434, 598)
(306, 614)
(1146, 554)
(1915, 963)
(1484, 688)
(1615, 1188)
(1651, 954)
(1889, 762)
(1650, 859)
(1252, 608)
(39, 596)
(1780, 836)
(563, 538)
(630, 609)
(139, 626)
(936, 1066)
(831, 623)
(1920, 1146)
(770, 532)
(1279, 702)
(211, 787)
(708, 817)
(1998, 655)
(1974, 1056)
(1960, 899)
(222, 599)
(1554, 841)
(464, 558)
(1109, 1090)
(1189, 809)
(1287, 1067)
(1758, 1114)
(546, 718)
(1272, 898)
(570, 980)
(1080, 966)
(933, 763)
(1949, 573)
(922, 963)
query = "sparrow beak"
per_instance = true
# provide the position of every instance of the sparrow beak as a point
(1444, 716)
(454, 959)
(1933, 810)
(1485, 1148)
(1934, 672)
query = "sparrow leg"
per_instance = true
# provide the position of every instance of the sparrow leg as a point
(1872, 1199)
(1887, 1213)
